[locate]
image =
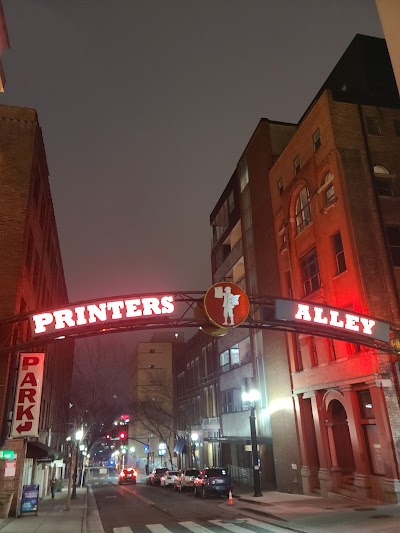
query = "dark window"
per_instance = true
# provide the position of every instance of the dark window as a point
(331, 349)
(303, 211)
(339, 253)
(297, 165)
(280, 187)
(365, 402)
(297, 353)
(397, 127)
(373, 126)
(289, 284)
(231, 202)
(227, 401)
(393, 236)
(313, 352)
(383, 186)
(317, 140)
(310, 272)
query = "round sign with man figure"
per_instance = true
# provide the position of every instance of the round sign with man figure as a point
(226, 305)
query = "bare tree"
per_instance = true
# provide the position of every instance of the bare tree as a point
(153, 406)
(99, 387)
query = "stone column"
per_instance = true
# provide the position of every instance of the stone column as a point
(309, 469)
(324, 474)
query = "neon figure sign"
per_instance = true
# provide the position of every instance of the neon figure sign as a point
(324, 316)
(103, 312)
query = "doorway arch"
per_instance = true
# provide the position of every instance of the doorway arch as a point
(340, 441)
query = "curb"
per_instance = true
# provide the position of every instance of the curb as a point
(91, 520)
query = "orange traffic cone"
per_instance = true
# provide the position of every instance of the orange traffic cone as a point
(230, 498)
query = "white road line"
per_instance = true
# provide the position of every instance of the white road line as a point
(124, 529)
(192, 526)
(238, 529)
(157, 528)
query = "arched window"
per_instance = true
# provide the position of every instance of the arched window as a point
(303, 212)
(379, 169)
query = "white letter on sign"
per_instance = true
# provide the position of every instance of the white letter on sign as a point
(303, 312)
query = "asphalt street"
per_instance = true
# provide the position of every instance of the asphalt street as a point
(142, 509)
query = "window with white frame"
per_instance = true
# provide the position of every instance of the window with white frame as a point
(317, 140)
(303, 211)
(310, 272)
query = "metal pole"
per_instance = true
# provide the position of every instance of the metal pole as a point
(256, 468)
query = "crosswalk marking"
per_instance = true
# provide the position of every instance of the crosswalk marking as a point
(192, 526)
(197, 528)
(157, 528)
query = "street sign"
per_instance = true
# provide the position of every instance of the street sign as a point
(7, 454)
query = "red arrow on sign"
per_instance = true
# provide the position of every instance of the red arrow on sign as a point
(24, 427)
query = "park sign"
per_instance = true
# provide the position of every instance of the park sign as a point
(28, 396)
(331, 318)
(102, 312)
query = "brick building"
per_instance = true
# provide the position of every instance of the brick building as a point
(335, 192)
(31, 277)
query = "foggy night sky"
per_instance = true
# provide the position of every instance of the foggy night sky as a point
(146, 107)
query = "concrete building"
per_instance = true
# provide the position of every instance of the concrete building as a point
(243, 252)
(152, 427)
(335, 192)
(32, 277)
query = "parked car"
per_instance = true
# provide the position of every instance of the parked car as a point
(155, 475)
(214, 480)
(185, 479)
(168, 478)
(128, 475)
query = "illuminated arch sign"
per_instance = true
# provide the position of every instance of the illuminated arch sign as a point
(329, 317)
(103, 312)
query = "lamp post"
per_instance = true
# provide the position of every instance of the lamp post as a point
(250, 398)
(78, 438)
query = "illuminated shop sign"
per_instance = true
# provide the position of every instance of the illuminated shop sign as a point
(328, 317)
(104, 312)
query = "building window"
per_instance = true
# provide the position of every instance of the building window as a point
(231, 202)
(393, 237)
(317, 140)
(303, 211)
(310, 272)
(397, 127)
(289, 284)
(227, 401)
(244, 176)
(331, 349)
(297, 165)
(379, 169)
(280, 187)
(339, 253)
(373, 126)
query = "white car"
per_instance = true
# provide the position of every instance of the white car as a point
(185, 479)
(168, 478)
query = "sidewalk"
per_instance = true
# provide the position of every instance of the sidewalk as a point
(52, 516)
(314, 514)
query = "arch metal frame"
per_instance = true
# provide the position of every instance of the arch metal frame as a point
(184, 317)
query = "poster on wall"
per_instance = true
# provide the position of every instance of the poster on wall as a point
(30, 499)
(28, 396)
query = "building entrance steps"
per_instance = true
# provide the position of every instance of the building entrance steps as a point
(52, 516)
(315, 514)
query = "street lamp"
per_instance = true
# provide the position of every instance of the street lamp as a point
(78, 438)
(250, 398)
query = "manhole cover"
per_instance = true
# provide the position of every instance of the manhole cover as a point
(364, 509)
(381, 516)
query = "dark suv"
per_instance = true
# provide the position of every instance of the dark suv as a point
(214, 480)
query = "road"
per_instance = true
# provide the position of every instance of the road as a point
(143, 509)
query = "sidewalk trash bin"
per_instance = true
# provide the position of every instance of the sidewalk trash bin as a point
(59, 485)
(5, 504)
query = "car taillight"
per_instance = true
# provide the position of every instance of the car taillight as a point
(134, 473)
(122, 474)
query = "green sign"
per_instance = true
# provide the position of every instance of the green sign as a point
(7, 454)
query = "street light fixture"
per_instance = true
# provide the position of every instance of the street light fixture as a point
(250, 398)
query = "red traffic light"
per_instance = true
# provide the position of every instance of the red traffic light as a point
(122, 435)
